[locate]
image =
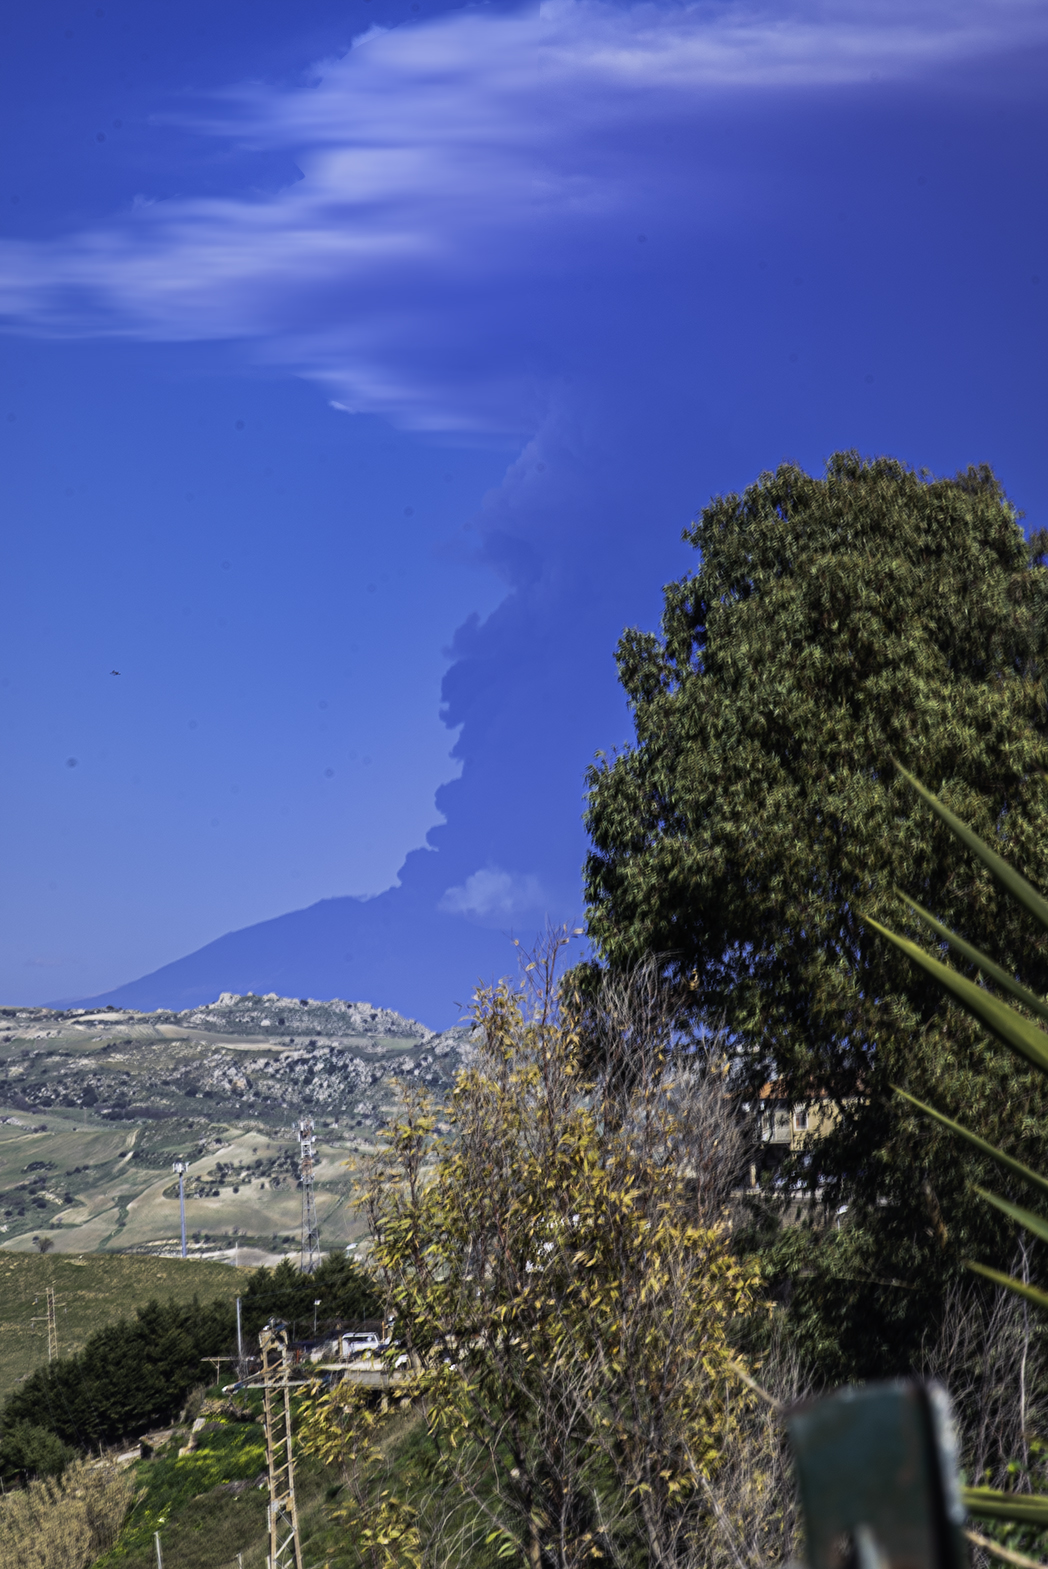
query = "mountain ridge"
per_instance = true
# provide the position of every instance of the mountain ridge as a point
(418, 961)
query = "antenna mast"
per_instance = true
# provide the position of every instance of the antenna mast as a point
(310, 1229)
(180, 1168)
(52, 1326)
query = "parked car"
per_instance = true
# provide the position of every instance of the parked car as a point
(363, 1344)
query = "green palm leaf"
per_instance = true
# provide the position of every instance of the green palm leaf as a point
(982, 1145)
(993, 972)
(1021, 1036)
(1023, 1508)
(1017, 886)
(1023, 1217)
(999, 1017)
(1009, 1283)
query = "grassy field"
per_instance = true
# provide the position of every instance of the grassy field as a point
(91, 1291)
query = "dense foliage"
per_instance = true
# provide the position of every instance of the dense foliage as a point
(29, 1450)
(65, 1524)
(562, 1279)
(975, 983)
(343, 1289)
(832, 624)
(136, 1373)
(129, 1376)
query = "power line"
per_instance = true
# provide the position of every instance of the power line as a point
(52, 1325)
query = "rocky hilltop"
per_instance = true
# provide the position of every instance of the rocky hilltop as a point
(264, 1059)
(95, 1105)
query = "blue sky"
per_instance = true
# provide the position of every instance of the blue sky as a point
(360, 366)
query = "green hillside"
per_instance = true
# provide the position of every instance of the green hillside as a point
(208, 1507)
(91, 1291)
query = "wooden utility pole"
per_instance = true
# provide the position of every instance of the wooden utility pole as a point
(285, 1551)
(217, 1364)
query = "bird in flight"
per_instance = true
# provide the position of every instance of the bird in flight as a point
(114, 672)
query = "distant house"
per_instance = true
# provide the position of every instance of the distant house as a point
(787, 1127)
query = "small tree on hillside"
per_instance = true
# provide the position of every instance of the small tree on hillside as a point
(559, 1267)
(832, 624)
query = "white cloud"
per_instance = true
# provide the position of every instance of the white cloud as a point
(455, 169)
(492, 893)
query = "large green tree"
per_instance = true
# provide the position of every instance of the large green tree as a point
(832, 624)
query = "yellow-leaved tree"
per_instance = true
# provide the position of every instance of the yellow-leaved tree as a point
(554, 1246)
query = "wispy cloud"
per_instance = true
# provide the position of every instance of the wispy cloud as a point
(491, 893)
(454, 172)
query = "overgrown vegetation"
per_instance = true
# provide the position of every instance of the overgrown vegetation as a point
(345, 1292)
(129, 1376)
(205, 1505)
(92, 1291)
(66, 1523)
(136, 1373)
(561, 1274)
(1018, 1025)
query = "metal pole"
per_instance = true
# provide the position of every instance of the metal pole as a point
(284, 1547)
(51, 1321)
(316, 1305)
(52, 1326)
(180, 1168)
(159, 1554)
(240, 1337)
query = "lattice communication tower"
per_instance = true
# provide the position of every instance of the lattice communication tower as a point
(310, 1229)
(52, 1326)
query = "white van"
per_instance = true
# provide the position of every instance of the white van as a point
(364, 1344)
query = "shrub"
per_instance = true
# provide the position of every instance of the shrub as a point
(67, 1523)
(32, 1450)
(128, 1377)
(562, 1280)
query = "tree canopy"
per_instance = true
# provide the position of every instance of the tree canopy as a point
(832, 624)
(343, 1289)
(562, 1280)
(138, 1371)
(128, 1376)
